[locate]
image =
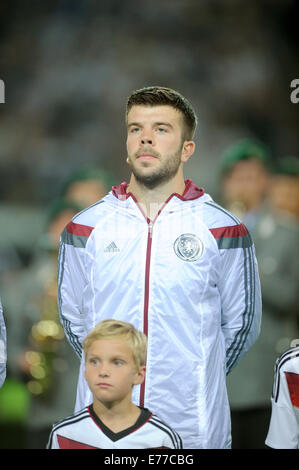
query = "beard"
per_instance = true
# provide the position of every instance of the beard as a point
(160, 175)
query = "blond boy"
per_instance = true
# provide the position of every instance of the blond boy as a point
(115, 357)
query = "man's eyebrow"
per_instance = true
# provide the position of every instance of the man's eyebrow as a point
(162, 123)
(130, 124)
(166, 124)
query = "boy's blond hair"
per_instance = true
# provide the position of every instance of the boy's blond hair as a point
(110, 328)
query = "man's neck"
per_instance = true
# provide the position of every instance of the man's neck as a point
(151, 200)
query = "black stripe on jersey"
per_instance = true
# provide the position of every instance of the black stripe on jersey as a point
(175, 438)
(175, 434)
(83, 414)
(115, 436)
(285, 357)
(289, 352)
(72, 417)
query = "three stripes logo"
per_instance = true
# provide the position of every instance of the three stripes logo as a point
(111, 248)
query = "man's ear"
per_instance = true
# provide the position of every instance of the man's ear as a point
(188, 150)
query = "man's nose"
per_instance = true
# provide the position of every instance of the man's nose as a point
(147, 136)
(146, 140)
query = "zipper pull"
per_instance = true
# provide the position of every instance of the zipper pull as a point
(150, 228)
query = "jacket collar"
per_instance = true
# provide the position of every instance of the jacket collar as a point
(191, 192)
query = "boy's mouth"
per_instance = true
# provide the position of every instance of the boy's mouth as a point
(103, 385)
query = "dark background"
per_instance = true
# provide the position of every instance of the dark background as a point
(69, 65)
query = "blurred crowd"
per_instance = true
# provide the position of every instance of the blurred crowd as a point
(264, 194)
(42, 368)
(68, 66)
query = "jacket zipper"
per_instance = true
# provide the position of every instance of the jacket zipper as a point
(146, 295)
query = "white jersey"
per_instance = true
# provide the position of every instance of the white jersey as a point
(85, 430)
(284, 424)
(2, 347)
(188, 280)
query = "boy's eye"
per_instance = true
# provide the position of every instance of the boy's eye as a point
(93, 361)
(118, 362)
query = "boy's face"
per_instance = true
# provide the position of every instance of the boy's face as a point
(110, 370)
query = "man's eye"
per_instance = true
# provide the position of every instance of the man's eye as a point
(134, 129)
(161, 129)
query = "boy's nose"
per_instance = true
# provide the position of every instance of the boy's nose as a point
(104, 372)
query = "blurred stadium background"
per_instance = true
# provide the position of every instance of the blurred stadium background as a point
(68, 66)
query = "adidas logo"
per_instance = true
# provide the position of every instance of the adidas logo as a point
(112, 248)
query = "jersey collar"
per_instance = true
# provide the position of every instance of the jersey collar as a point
(191, 191)
(144, 416)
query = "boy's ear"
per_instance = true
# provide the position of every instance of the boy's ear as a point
(140, 375)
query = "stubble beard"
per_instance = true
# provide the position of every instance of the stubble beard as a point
(158, 176)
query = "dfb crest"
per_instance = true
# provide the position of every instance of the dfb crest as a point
(188, 247)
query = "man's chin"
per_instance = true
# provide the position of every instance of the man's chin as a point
(149, 181)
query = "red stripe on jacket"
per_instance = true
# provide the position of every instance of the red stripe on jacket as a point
(78, 229)
(229, 232)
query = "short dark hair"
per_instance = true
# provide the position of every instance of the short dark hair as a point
(156, 96)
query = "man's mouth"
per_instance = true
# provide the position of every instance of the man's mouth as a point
(146, 157)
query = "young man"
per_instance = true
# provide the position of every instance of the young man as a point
(162, 255)
(283, 430)
(115, 355)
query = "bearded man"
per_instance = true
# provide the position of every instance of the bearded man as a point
(161, 254)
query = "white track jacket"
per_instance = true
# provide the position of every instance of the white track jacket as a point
(2, 347)
(188, 280)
